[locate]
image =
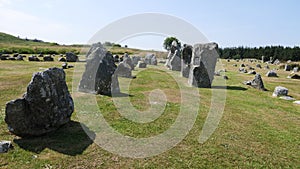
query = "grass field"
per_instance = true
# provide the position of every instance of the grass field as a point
(256, 130)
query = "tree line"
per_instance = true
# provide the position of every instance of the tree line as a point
(276, 52)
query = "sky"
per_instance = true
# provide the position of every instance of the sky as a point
(230, 23)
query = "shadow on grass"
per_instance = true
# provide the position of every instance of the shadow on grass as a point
(70, 139)
(120, 95)
(229, 87)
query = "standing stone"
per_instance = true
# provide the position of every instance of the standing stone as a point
(262, 59)
(185, 70)
(280, 91)
(294, 76)
(295, 69)
(276, 62)
(128, 61)
(271, 73)
(203, 65)
(71, 57)
(287, 67)
(141, 64)
(20, 57)
(135, 60)
(93, 47)
(64, 65)
(150, 59)
(124, 70)
(33, 58)
(258, 66)
(257, 83)
(173, 59)
(45, 106)
(5, 146)
(99, 74)
(48, 58)
(186, 54)
(62, 59)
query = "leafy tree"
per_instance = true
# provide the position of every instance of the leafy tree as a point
(168, 42)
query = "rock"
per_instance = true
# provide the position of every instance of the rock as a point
(116, 58)
(71, 57)
(242, 65)
(141, 64)
(280, 91)
(41, 55)
(62, 59)
(234, 65)
(99, 74)
(287, 67)
(11, 58)
(64, 65)
(4, 57)
(5, 146)
(19, 57)
(135, 60)
(150, 59)
(203, 65)
(243, 70)
(128, 61)
(93, 47)
(294, 76)
(253, 72)
(257, 83)
(271, 73)
(297, 102)
(185, 71)
(124, 70)
(186, 53)
(33, 58)
(258, 66)
(267, 67)
(48, 58)
(289, 98)
(173, 58)
(45, 106)
(225, 77)
(70, 66)
(251, 68)
(296, 69)
(276, 62)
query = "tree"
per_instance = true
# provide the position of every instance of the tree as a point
(168, 42)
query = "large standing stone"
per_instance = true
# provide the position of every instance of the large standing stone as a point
(174, 59)
(150, 59)
(271, 73)
(287, 67)
(135, 60)
(141, 64)
(257, 83)
(187, 53)
(280, 91)
(99, 74)
(203, 65)
(128, 61)
(48, 58)
(124, 69)
(71, 57)
(45, 106)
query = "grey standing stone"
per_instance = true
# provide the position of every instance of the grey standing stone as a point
(258, 66)
(141, 64)
(174, 59)
(185, 70)
(71, 57)
(203, 65)
(271, 73)
(33, 58)
(99, 74)
(276, 62)
(62, 59)
(296, 69)
(150, 59)
(135, 60)
(48, 58)
(124, 70)
(280, 91)
(287, 67)
(45, 106)
(257, 83)
(64, 65)
(186, 54)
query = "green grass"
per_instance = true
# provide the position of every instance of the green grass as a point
(256, 130)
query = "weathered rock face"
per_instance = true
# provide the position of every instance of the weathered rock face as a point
(141, 64)
(99, 74)
(150, 59)
(71, 57)
(203, 65)
(294, 76)
(185, 70)
(128, 61)
(258, 66)
(280, 91)
(174, 59)
(257, 83)
(5, 146)
(62, 59)
(20, 57)
(124, 70)
(287, 67)
(45, 106)
(271, 73)
(135, 60)
(296, 69)
(33, 58)
(187, 52)
(48, 58)
(93, 47)
(276, 62)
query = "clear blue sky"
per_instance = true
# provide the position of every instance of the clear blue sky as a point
(227, 22)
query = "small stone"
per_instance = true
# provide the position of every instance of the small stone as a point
(271, 73)
(5, 146)
(280, 91)
(289, 98)
(71, 57)
(297, 102)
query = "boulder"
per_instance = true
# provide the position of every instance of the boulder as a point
(5, 146)
(186, 54)
(296, 69)
(271, 73)
(45, 106)
(203, 65)
(71, 57)
(116, 58)
(141, 64)
(267, 67)
(242, 65)
(258, 66)
(225, 77)
(276, 62)
(234, 65)
(48, 58)
(33, 58)
(289, 98)
(252, 72)
(280, 91)
(20, 57)
(185, 71)
(257, 83)
(135, 60)
(128, 61)
(287, 67)
(99, 74)
(173, 58)
(294, 76)
(62, 59)
(243, 70)
(64, 65)
(124, 70)
(150, 59)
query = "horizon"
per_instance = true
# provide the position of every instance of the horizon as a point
(230, 24)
